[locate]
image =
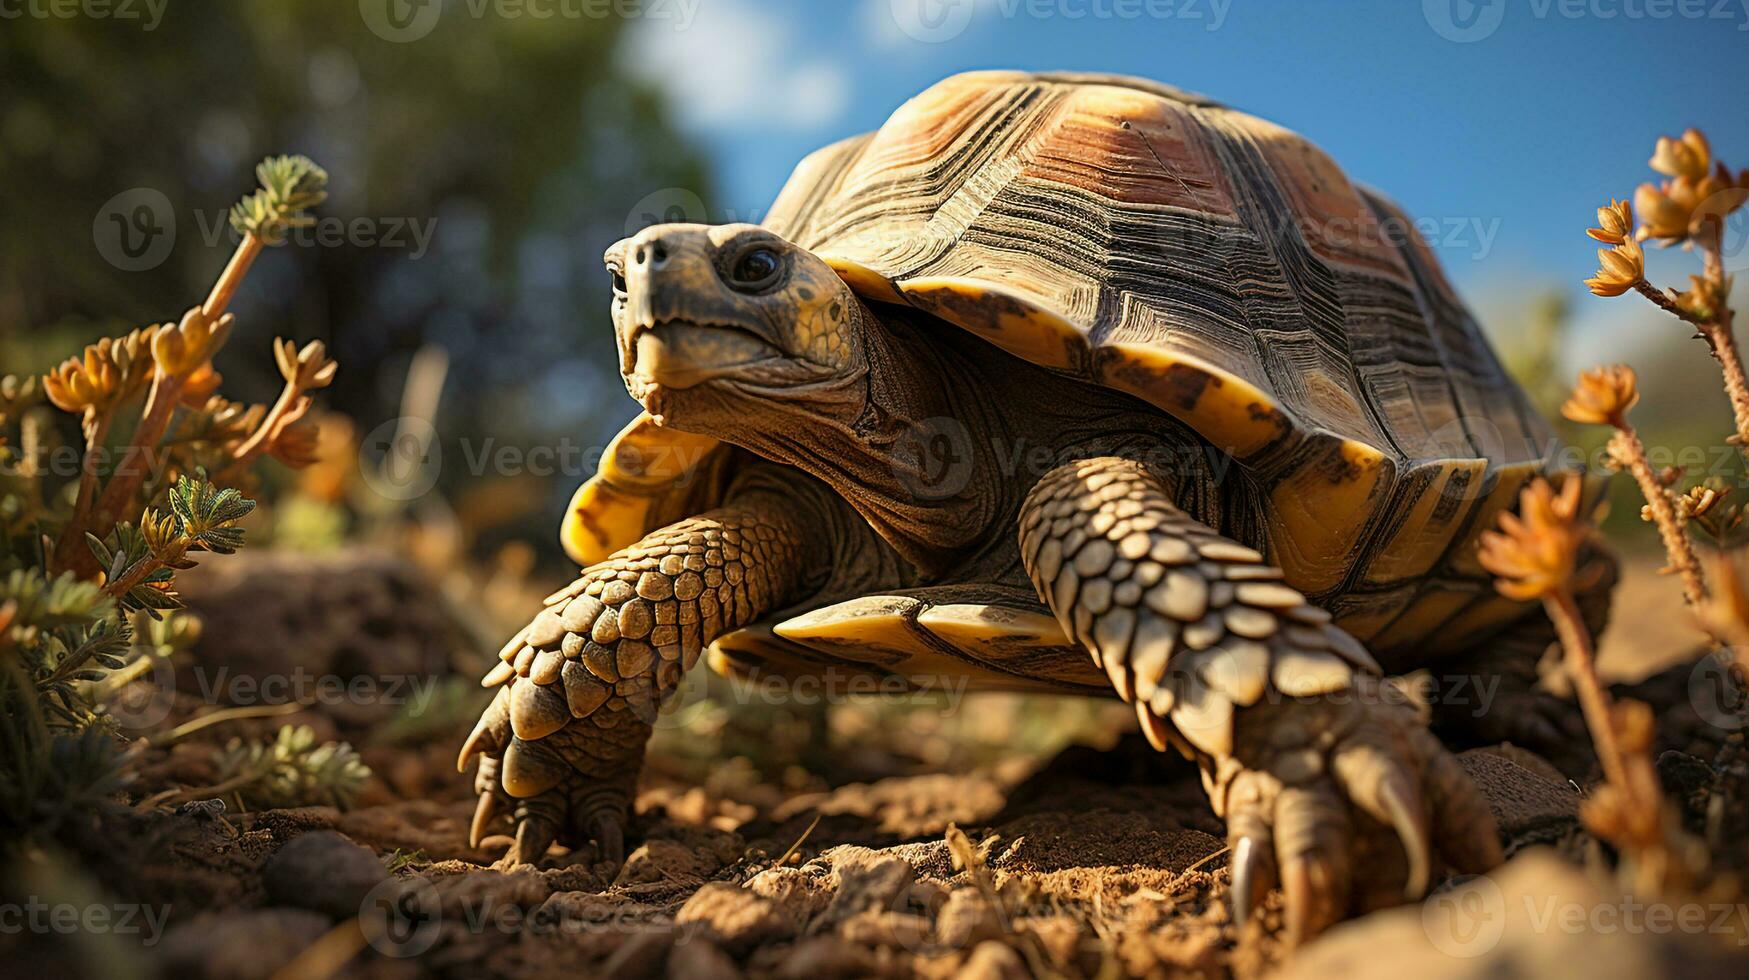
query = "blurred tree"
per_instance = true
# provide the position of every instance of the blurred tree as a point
(479, 169)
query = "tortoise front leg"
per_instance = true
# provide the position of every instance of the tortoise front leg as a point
(579, 687)
(1303, 749)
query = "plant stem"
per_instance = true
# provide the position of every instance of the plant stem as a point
(136, 461)
(1628, 448)
(160, 407)
(96, 434)
(286, 409)
(232, 277)
(1594, 701)
(133, 576)
(1665, 303)
(223, 715)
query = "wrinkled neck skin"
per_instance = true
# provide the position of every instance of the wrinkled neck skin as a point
(894, 438)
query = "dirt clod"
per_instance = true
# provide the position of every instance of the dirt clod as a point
(324, 872)
(733, 918)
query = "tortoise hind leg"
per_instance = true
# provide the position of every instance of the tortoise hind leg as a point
(1303, 749)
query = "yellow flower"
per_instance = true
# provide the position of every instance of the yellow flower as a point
(201, 385)
(1619, 269)
(1688, 156)
(1661, 213)
(1603, 396)
(1614, 223)
(297, 446)
(1683, 207)
(91, 381)
(1533, 553)
(307, 369)
(181, 350)
(223, 423)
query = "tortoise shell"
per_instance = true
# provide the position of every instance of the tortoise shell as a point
(1215, 265)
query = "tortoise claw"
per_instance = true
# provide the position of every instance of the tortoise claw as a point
(1247, 874)
(534, 834)
(1311, 784)
(610, 840)
(483, 814)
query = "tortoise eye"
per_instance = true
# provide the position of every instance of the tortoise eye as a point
(756, 269)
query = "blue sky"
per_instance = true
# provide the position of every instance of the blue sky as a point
(1507, 121)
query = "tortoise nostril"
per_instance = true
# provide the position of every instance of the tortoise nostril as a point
(638, 256)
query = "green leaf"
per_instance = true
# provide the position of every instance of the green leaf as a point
(290, 186)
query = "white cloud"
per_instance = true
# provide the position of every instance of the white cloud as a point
(734, 66)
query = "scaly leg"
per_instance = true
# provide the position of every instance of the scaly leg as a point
(1304, 750)
(579, 687)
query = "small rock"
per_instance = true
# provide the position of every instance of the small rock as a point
(866, 880)
(643, 954)
(324, 872)
(580, 911)
(800, 894)
(670, 861)
(901, 930)
(733, 918)
(825, 958)
(966, 919)
(993, 961)
(701, 960)
(1535, 916)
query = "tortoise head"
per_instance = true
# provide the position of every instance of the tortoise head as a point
(717, 322)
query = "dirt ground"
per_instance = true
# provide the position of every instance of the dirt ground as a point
(1083, 860)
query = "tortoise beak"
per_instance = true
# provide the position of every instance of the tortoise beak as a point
(682, 354)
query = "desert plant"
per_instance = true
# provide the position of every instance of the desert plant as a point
(88, 559)
(1688, 208)
(1604, 396)
(292, 770)
(173, 365)
(1534, 555)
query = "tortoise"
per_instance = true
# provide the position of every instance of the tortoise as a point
(1059, 382)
